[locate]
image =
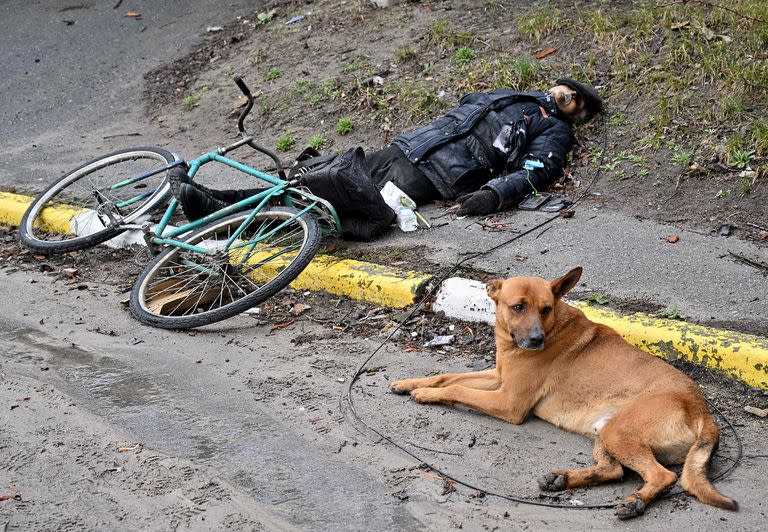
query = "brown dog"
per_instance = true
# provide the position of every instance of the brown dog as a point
(583, 377)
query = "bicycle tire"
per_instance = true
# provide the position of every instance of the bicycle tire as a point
(75, 194)
(179, 288)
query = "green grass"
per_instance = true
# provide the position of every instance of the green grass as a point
(741, 158)
(273, 74)
(317, 142)
(442, 35)
(464, 55)
(285, 143)
(315, 93)
(191, 100)
(405, 53)
(344, 126)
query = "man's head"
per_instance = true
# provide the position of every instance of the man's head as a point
(577, 102)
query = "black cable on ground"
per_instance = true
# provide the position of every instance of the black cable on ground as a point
(355, 417)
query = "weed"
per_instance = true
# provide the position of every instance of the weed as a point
(722, 193)
(405, 53)
(672, 314)
(540, 22)
(733, 107)
(266, 16)
(316, 141)
(419, 100)
(229, 71)
(357, 64)
(598, 298)
(273, 73)
(758, 138)
(316, 93)
(684, 158)
(643, 173)
(595, 154)
(746, 185)
(741, 158)
(618, 120)
(344, 126)
(464, 55)
(285, 143)
(443, 36)
(191, 100)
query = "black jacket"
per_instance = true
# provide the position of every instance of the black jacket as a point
(488, 141)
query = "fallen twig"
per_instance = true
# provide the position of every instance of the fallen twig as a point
(121, 135)
(749, 262)
(757, 226)
(282, 325)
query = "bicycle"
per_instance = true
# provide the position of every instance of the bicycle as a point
(206, 270)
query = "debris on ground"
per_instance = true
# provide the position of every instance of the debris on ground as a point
(438, 341)
(759, 412)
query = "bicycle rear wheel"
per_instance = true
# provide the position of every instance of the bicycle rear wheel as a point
(182, 289)
(88, 205)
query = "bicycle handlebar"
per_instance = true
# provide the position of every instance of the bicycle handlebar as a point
(243, 133)
(247, 92)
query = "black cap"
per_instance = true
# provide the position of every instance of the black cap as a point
(592, 102)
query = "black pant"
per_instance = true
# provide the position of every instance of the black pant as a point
(391, 164)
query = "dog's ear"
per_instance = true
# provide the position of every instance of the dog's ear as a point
(562, 285)
(493, 287)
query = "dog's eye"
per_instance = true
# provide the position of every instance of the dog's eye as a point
(518, 308)
(546, 310)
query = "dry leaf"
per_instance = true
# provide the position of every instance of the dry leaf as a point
(541, 54)
(673, 239)
(299, 309)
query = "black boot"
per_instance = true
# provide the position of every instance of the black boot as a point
(196, 203)
(178, 177)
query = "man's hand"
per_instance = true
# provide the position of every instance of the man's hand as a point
(478, 203)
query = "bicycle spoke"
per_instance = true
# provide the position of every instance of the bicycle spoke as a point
(188, 283)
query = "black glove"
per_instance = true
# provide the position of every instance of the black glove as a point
(478, 203)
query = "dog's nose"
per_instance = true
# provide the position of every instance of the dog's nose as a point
(536, 340)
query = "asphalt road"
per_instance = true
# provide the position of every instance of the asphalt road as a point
(71, 73)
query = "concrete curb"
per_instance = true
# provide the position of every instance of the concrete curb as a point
(740, 355)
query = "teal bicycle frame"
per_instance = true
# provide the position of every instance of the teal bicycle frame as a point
(163, 235)
(166, 237)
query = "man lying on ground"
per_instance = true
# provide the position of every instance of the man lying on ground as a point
(487, 154)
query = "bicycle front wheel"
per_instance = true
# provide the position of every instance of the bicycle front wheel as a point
(88, 205)
(183, 288)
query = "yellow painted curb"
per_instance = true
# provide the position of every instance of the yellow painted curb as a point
(365, 281)
(13, 207)
(743, 356)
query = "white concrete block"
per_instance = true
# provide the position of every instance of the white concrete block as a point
(465, 299)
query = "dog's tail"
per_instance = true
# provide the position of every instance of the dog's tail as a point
(694, 477)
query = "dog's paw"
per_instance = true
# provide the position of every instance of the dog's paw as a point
(630, 507)
(426, 395)
(400, 387)
(551, 482)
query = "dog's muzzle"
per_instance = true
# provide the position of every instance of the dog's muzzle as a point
(532, 342)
